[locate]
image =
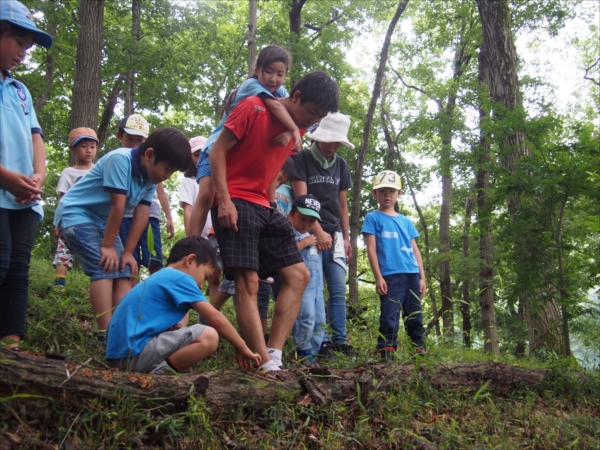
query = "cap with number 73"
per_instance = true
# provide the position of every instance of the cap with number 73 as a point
(387, 178)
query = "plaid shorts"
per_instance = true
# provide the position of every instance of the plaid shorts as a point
(203, 166)
(265, 240)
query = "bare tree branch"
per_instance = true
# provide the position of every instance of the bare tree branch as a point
(585, 77)
(416, 88)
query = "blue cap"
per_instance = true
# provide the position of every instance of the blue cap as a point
(17, 14)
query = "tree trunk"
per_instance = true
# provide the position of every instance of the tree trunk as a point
(109, 109)
(360, 157)
(252, 37)
(136, 14)
(86, 86)
(222, 390)
(295, 30)
(465, 307)
(491, 342)
(541, 312)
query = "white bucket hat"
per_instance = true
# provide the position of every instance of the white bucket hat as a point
(333, 128)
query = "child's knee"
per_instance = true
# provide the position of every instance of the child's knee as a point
(210, 338)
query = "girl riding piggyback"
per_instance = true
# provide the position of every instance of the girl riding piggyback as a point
(271, 68)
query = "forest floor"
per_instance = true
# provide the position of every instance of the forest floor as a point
(562, 412)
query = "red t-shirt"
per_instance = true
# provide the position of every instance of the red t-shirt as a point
(254, 161)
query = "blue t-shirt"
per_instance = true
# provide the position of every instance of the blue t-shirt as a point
(284, 196)
(17, 124)
(248, 88)
(392, 236)
(88, 201)
(150, 308)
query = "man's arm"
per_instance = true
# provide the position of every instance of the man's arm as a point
(417, 253)
(345, 223)
(166, 207)
(380, 284)
(219, 322)
(218, 168)
(324, 241)
(109, 258)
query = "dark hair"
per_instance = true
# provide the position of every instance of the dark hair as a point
(266, 57)
(202, 248)
(319, 88)
(170, 145)
(289, 168)
(191, 171)
(9, 29)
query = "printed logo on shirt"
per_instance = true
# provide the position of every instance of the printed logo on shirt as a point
(258, 108)
(322, 179)
(21, 94)
(406, 249)
(390, 235)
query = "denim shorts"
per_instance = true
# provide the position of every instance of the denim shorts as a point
(84, 241)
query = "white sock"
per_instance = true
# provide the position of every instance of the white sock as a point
(269, 365)
(275, 355)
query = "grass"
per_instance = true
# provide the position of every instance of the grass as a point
(563, 413)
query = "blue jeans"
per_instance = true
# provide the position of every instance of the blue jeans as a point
(309, 327)
(335, 275)
(17, 233)
(402, 295)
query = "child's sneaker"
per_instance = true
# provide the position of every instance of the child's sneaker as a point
(162, 369)
(419, 351)
(326, 350)
(60, 284)
(268, 280)
(269, 366)
(387, 353)
(345, 349)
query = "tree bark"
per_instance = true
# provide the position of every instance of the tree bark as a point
(86, 86)
(71, 383)
(251, 37)
(360, 157)
(136, 14)
(109, 109)
(295, 30)
(541, 312)
(491, 342)
(465, 307)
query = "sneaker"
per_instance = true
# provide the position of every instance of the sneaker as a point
(306, 358)
(345, 349)
(162, 369)
(101, 337)
(420, 351)
(326, 350)
(387, 353)
(268, 280)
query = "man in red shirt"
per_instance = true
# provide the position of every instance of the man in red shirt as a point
(256, 240)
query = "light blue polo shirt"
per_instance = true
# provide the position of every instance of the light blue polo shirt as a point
(88, 201)
(17, 123)
(248, 88)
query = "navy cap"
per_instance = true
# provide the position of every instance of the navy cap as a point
(18, 14)
(308, 205)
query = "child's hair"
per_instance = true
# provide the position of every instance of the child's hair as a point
(319, 88)
(202, 248)
(289, 168)
(8, 29)
(170, 145)
(266, 57)
(191, 171)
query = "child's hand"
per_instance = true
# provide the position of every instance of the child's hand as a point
(109, 259)
(381, 286)
(310, 241)
(175, 327)
(297, 141)
(127, 259)
(282, 139)
(170, 229)
(423, 287)
(56, 233)
(245, 358)
(24, 189)
(324, 241)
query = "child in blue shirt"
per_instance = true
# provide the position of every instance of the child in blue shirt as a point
(89, 215)
(22, 170)
(309, 328)
(272, 66)
(145, 334)
(397, 265)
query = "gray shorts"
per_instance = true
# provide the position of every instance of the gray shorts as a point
(158, 349)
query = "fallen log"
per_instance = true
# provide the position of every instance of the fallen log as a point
(71, 383)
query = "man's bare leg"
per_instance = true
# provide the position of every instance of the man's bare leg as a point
(246, 290)
(295, 278)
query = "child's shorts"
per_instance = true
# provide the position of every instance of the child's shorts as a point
(203, 166)
(159, 348)
(142, 253)
(84, 241)
(62, 256)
